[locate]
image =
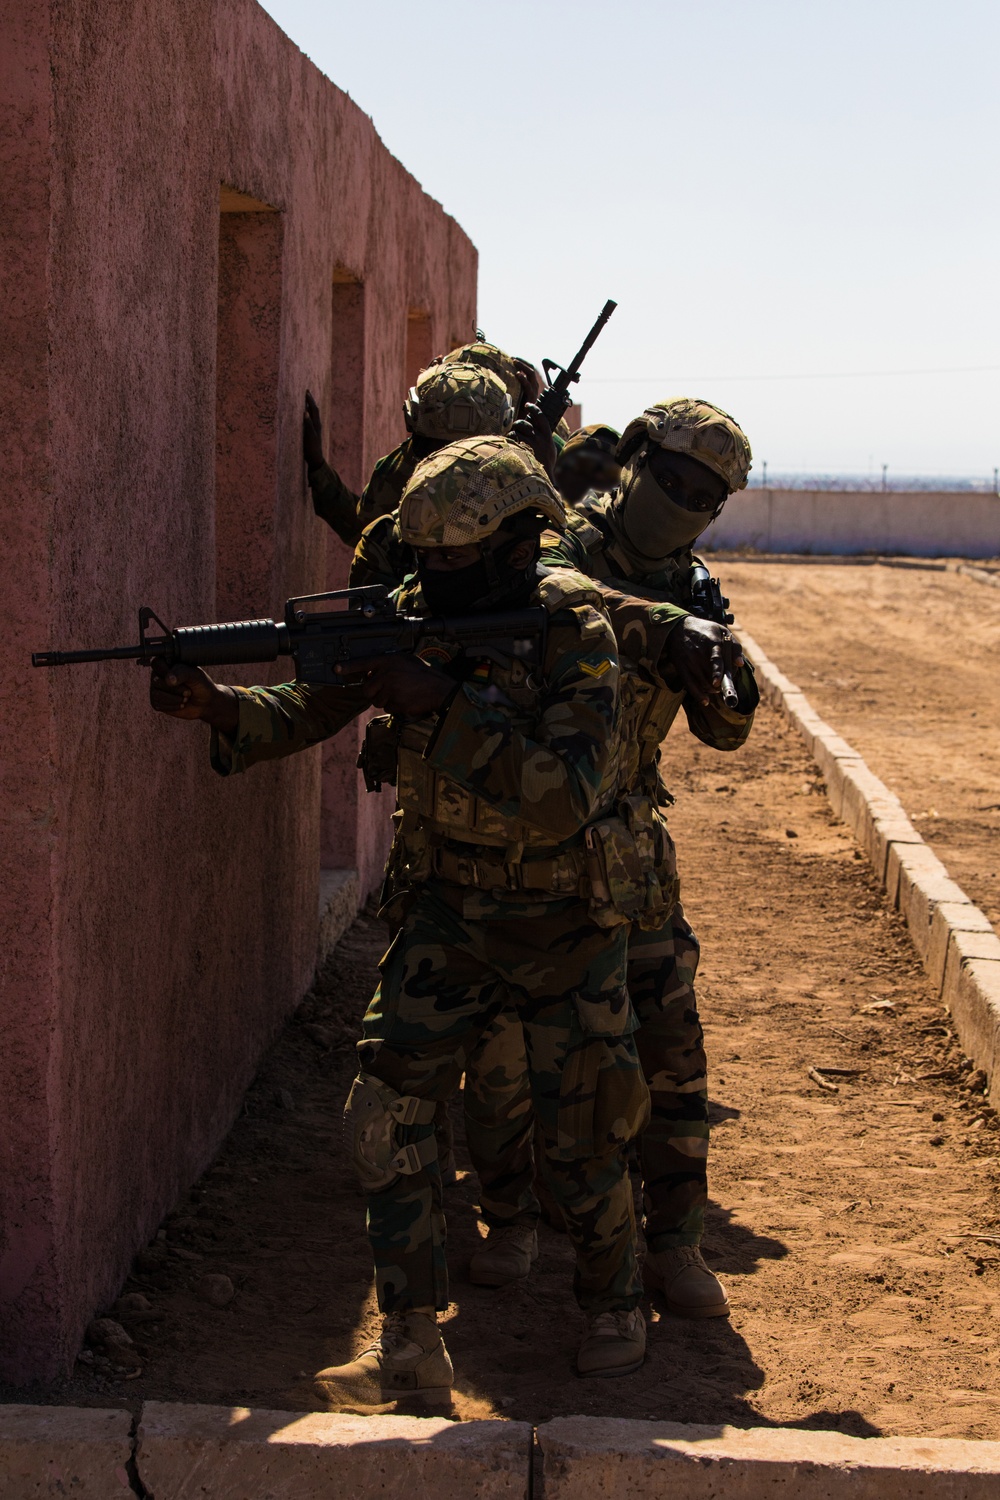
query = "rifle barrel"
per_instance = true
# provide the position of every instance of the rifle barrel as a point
(591, 338)
(67, 658)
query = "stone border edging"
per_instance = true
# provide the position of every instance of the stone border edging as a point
(64, 1450)
(229, 1453)
(184, 1452)
(954, 939)
(609, 1458)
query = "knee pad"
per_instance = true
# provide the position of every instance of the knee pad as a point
(372, 1117)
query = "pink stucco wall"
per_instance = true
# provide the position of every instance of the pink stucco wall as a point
(157, 923)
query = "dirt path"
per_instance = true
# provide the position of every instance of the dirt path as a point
(840, 1220)
(903, 662)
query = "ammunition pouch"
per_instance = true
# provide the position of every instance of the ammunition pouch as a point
(378, 760)
(632, 866)
(373, 1118)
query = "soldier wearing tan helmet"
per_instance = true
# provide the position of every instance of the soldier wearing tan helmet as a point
(588, 461)
(458, 395)
(449, 401)
(507, 886)
(680, 460)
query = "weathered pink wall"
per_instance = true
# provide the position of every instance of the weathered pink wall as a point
(156, 922)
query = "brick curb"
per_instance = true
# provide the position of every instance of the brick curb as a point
(232, 1453)
(954, 939)
(64, 1450)
(595, 1458)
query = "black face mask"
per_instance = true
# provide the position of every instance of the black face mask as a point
(488, 584)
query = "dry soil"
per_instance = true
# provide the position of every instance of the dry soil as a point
(902, 661)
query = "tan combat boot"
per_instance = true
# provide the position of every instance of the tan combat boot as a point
(614, 1343)
(689, 1288)
(505, 1255)
(409, 1362)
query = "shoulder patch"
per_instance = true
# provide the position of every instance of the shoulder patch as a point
(596, 669)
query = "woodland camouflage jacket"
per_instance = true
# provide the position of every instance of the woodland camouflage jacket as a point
(347, 513)
(644, 609)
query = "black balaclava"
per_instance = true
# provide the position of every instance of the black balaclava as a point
(490, 583)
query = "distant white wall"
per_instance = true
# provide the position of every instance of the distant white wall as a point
(917, 523)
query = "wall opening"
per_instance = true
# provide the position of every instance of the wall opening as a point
(418, 343)
(343, 413)
(246, 404)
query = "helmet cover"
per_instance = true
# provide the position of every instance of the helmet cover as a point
(467, 490)
(696, 427)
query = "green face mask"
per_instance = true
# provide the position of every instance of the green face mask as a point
(650, 525)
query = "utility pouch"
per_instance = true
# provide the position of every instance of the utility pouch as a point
(632, 866)
(378, 760)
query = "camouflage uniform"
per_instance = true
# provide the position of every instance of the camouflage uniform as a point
(381, 555)
(663, 960)
(488, 878)
(347, 513)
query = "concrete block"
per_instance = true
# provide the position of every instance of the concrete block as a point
(754, 650)
(833, 769)
(880, 832)
(778, 685)
(951, 916)
(803, 717)
(339, 900)
(588, 1458)
(835, 745)
(971, 993)
(923, 884)
(64, 1450)
(232, 1453)
(865, 797)
(914, 858)
(832, 755)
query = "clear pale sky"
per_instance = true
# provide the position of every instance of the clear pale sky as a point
(769, 188)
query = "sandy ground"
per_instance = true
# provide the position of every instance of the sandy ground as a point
(903, 663)
(853, 1228)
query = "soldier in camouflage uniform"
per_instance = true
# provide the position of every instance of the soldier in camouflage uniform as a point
(451, 399)
(680, 460)
(507, 879)
(588, 461)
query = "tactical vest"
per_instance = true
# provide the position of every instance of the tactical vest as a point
(647, 710)
(442, 809)
(622, 862)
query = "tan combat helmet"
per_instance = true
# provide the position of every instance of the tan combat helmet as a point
(487, 357)
(466, 491)
(458, 400)
(704, 432)
(597, 438)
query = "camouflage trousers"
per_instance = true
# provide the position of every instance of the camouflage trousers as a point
(444, 979)
(673, 1148)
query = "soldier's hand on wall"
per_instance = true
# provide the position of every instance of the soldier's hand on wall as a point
(701, 653)
(401, 684)
(186, 692)
(312, 434)
(534, 432)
